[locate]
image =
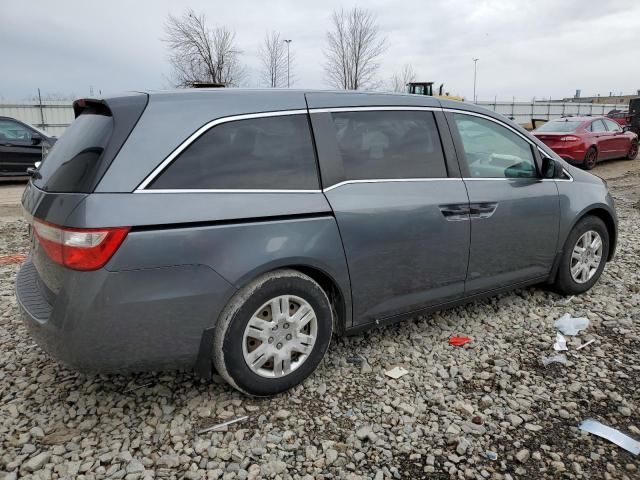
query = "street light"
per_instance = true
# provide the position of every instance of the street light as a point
(288, 42)
(475, 74)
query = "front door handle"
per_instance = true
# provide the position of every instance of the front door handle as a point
(455, 212)
(482, 210)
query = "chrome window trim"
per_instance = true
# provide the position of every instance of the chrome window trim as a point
(207, 126)
(222, 190)
(387, 108)
(388, 180)
(142, 187)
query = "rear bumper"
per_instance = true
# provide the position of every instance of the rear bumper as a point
(572, 154)
(104, 321)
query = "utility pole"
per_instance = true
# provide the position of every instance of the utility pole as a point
(288, 42)
(42, 125)
(475, 75)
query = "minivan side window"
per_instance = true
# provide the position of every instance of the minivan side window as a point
(271, 153)
(389, 145)
(493, 151)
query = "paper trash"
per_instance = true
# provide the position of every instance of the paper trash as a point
(571, 326)
(561, 343)
(623, 441)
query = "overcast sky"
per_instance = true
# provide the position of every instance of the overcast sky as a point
(526, 48)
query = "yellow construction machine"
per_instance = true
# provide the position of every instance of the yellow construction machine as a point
(426, 88)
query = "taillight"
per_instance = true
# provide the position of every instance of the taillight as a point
(569, 138)
(79, 248)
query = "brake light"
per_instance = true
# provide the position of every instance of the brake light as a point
(569, 138)
(79, 248)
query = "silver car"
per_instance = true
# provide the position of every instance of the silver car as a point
(237, 231)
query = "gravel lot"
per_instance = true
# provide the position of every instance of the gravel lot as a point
(445, 419)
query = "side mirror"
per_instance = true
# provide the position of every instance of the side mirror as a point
(549, 167)
(36, 138)
(626, 128)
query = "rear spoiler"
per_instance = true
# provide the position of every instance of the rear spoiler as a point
(91, 106)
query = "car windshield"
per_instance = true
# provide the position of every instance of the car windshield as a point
(559, 126)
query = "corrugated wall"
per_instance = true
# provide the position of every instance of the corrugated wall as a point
(523, 112)
(53, 117)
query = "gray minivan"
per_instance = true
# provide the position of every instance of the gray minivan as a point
(238, 230)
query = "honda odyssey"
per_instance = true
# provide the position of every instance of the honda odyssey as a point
(237, 231)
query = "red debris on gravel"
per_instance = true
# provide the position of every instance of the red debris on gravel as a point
(12, 259)
(459, 341)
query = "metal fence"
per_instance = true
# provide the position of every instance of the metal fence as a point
(50, 116)
(523, 112)
(55, 116)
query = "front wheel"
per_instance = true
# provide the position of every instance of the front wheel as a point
(273, 333)
(633, 150)
(583, 257)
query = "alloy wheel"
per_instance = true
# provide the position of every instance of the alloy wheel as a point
(586, 256)
(591, 159)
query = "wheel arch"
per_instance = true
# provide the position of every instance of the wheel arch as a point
(609, 222)
(339, 297)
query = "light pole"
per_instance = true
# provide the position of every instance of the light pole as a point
(475, 74)
(288, 42)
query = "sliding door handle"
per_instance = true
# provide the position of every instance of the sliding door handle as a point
(455, 212)
(482, 210)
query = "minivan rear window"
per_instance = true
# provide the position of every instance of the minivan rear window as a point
(73, 160)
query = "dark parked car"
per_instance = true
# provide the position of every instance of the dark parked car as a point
(21, 146)
(240, 230)
(587, 140)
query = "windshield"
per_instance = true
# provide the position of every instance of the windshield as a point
(559, 126)
(75, 156)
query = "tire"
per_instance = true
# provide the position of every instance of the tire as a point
(235, 341)
(565, 282)
(633, 150)
(590, 158)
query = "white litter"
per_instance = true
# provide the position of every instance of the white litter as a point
(585, 344)
(561, 343)
(569, 325)
(222, 425)
(396, 372)
(623, 441)
(561, 358)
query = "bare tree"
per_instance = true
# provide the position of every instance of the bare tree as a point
(198, 53)
(399, 80)
(273, 57)
(354, 46)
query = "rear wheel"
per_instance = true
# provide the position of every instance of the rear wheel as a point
(584, 256)
(590, 158)
(633, 150)
(273, 333)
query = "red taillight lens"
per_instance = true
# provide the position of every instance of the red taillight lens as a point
(79, 248)
(569, 138)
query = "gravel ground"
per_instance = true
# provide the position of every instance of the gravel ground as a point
(486, 410)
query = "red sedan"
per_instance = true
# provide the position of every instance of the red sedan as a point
(587, 140)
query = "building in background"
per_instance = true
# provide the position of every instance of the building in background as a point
(617, 99)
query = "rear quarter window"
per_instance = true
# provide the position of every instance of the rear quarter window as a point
(260, 153)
